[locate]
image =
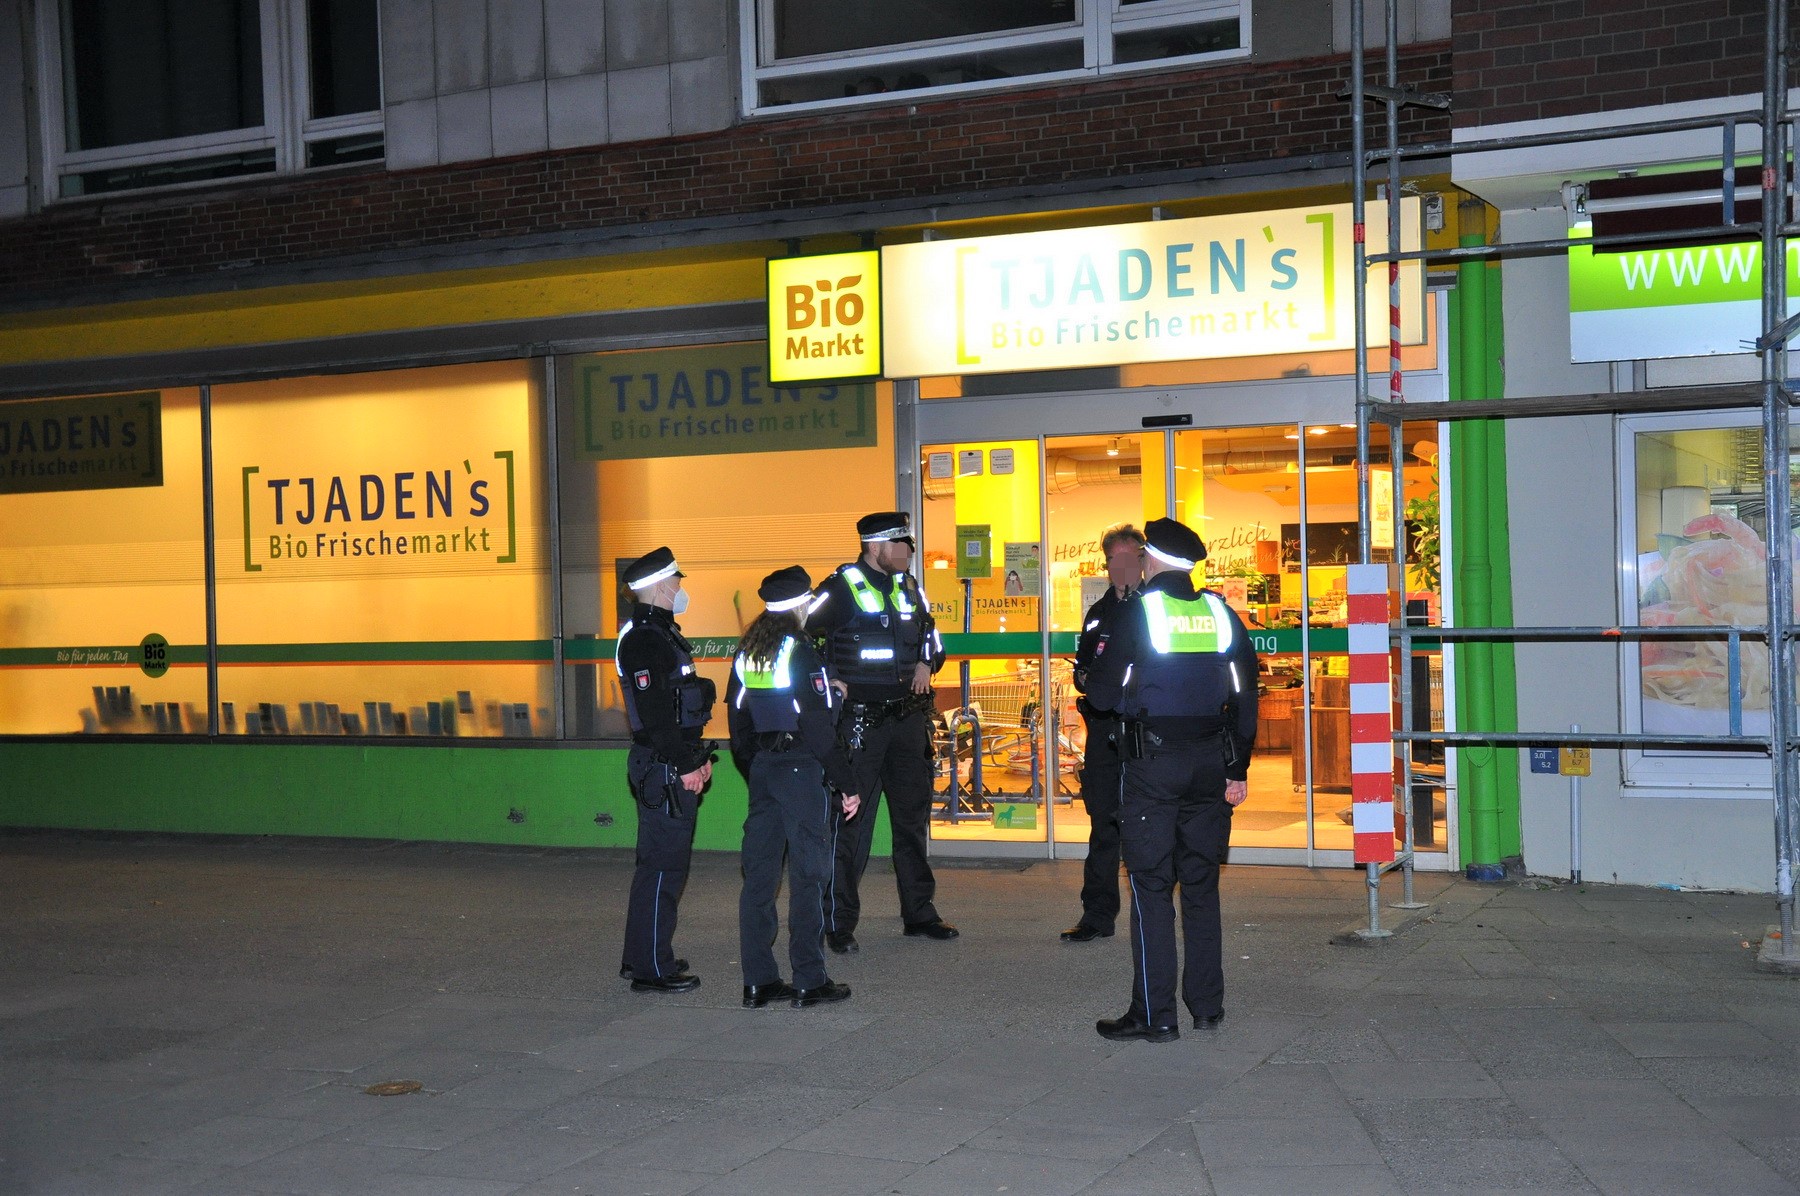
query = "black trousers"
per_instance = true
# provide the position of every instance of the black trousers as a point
(790, 814)
(1101, 778)
(1175, 827)
(895, 761)
(665, 844)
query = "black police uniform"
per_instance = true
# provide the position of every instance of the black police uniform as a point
(667, 704)
(784, 739)
(1175, 824)
(874, 652)
(1100, 780)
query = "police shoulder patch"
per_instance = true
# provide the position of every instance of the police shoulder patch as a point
(641, 679)
(819, 684)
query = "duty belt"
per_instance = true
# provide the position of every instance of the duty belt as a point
(777, 741)
(873, 714)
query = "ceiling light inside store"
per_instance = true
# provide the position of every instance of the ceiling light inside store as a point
(1112, 447)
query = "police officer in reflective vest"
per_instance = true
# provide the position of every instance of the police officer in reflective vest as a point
(1178, 667)
(667, 704)
(1123, 545)
(877, 634)
(784, 711)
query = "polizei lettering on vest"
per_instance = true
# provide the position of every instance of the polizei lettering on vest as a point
(1193, 624)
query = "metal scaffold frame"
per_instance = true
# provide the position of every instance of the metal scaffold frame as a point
(1774, 396)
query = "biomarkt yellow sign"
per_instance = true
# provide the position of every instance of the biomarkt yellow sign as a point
(1168, 290)
(825, 317)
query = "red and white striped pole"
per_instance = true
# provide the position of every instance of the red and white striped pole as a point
(1371, 714)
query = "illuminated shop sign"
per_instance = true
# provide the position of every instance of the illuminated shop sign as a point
(427, 516)
(1687, 301)
(108, 442)
(825, 317)
(1169, 290)
(711, 399)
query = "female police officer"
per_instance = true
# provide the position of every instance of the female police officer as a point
(783, 711)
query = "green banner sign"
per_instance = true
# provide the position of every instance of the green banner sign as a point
(710, 399)
(105, 442)
(1672, 301)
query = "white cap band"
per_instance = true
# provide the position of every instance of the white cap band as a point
(1164, 557)
(892, 533)
(644, 583)
(782, 604)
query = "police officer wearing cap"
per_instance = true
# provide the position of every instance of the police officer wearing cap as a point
(783, 711)
(1177, 666)
(1123, 545)
(667, 704)
(877, 634)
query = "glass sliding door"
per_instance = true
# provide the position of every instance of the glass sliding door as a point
(1091, 483)
(981, 561)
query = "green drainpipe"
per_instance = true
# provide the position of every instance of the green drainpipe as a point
(1482, 567)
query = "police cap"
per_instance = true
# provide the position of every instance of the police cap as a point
(885, 525)
(785, 589)
(652, 567)
(1173, 543)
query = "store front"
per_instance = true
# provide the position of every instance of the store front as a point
(336, 569)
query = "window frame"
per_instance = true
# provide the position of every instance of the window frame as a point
(1097, 25)
(287, 131)
(1733, 775)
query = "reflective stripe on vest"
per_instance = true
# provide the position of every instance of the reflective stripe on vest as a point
(868, 598)
(776, 676)
(1181, 625)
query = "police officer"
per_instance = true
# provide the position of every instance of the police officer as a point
(1123, 546)
(1177, 665)
(667, 704)
(783, 711)
(877, 634)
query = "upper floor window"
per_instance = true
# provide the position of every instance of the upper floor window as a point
(152, 93)
(820, 52)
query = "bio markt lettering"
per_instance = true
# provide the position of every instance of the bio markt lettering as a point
(825, 317)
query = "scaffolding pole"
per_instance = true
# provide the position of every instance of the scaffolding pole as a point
(1777, 488)
(1774, 396)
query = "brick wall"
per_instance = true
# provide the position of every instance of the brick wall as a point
(1519, 60)
(1252, 112)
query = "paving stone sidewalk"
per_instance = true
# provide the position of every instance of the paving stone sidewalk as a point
(204, 1017)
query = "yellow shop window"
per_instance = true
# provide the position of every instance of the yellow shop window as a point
(693, 448)
(102, 570)
(381, 559)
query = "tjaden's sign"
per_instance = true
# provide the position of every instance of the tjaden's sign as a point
(1170, 290)
(427, 516)
(1690, 301)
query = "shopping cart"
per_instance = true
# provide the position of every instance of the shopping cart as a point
(992, 747)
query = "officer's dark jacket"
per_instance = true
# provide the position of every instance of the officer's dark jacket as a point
(666, 701)
(843, 630)
(811, 714)
(1092, 627)
(1203, 700)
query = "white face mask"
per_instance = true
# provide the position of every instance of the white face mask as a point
(679, 603)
